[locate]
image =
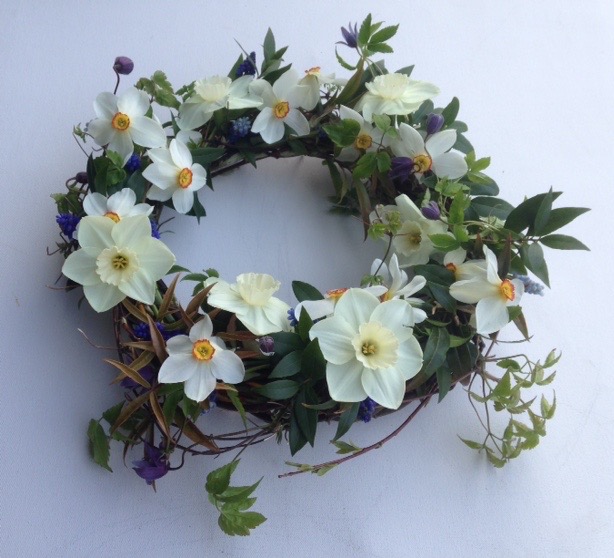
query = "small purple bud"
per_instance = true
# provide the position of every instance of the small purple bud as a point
(401, 168)
(81, 177)
(350, 36)
(123, 65)
(267, 345)
(434, 123)
(431, 211)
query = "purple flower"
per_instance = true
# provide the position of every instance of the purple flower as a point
(366, 409)
(68, 223)
(431, 211)
(267, 345)
(123, 65)
(133, 164)
(141, 331)
(434, 123)
(155, 230)
(148, 374)
(401, 168)
(350, 35)
(248, 66)
(153, 466)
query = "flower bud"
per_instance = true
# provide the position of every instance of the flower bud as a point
(350, 36)
(434, 123)
(267, 345)
(81, 177)
(431, 211)
(123, 65)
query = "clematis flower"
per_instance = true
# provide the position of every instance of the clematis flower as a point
(369, 348)
(117, 206)
(121, 123)
(432, 155)
(153, 466)
(280, 106)
(411, 243)
(492, 295)
(174, 175)
(212, 94)
(117, 260)
(399, 285)
(312, 82)
(198, 359)
(369, 138)
(394, 94)
(251, 299)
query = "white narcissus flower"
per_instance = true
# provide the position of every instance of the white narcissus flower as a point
(394, 94)
(280, 106)
(251, 299)
(430, 155)
(117, 206)
(469, 269)
(399, 285)
(370, 349)
(411, 243)
(491, 293)
(173, 174)
(121, 123)
(369, 138)
(198, 359)
(212, 94)
(117, 260)
(313, 80)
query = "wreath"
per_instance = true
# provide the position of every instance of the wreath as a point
(424, 319)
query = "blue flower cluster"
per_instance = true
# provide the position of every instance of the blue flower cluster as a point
(133, 164)
(141, 331)
(248, 66)
(366, 409)
(68, 223)
(239, 129)
(530, 286)
(155, 230)
(292, 318)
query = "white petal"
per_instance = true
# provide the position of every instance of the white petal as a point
(297, 122)
(270, 128)
(346, 113)
(102, 296)
(518, 292)
(147, 132)
(491, 315)
(122, 144)
(161, 155)
(410, 143)
(200, 385)
(408, 209)
(131, 230)
(122, 202)
(141, 287)
(224, 297)
(183, 200)
(492, 272)
(95, 233)
(285, 83)
(180, 344)
(345, 381)
(133, 102)
(263, 89)
(158, 194)
(162, 175)
(439, 143)
(276, 311)
(193, 115)
(397, 316)
(95, 204)
(455, 257)
(154, 256)
(199, 177)
(256, 321)
(201, 330)
(415, 285)
(356, 307)
(315, 308)
(177, 368)
(81, 268)
(385, 386)
(228, 367)
(334, 336)
(101, 130)
(105, 106)
(471, 291)
(410, 358)
(180, 154)
(419, 91)
(450, 165)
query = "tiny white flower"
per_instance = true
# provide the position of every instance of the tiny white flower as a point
(117, 206)
(117, 260)
(313, 80)
(212, 94)
(173, 174)
(251, 299)
(121, 123)
(369, 138)
(280, 106)
(198, 359)
(369, 348)
(492, 295)
(394, 94)
(433, 155)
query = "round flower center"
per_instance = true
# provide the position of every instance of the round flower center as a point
(376, 346)
(281, 109)
(507, 290)
(315, 71)
(451, 267)
(422, 163)
(363, 141)
(121, 122)
(113, 216)
(114, 265)
(203, 350)
(257, 288)
(335, 294)
(184, 179)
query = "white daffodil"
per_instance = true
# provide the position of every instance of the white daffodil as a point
(117, 206)
(121, 123)
(399, 285)
(369, 348)
(492, 295)
(433, 155)
(280, 106)
(251, 299)
(411, 243)
(198, 359)
(173, 174)
(117, 260)
(369, 138)
(212, 94)
(313, 80)
(394, 94)
(456, 261)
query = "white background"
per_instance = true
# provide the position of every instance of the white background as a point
(535, 84)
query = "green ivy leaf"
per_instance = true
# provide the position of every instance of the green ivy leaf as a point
(99, 444)
(219, 479)
(344, 133)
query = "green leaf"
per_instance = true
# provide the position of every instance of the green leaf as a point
(236, 401)
(343, 63)
(382, 121)
(306, 418)
(456, 214)
(206, 155)
(366, 166)
(461, 360)
(379, 47)
(384, 162)
(543, 213)
(384, 34)
(268, 46)
(304, 325)
(219, 479)
(313, 364)
(296, 438)
(235, 522)
(343, 133)
(561, 216)
(524, 215)
(562, 242)
(169, 407)
(487, 206)
(99, 444)
(344, 448)
(435, 351)
(347, 419)
(237, 494)
(288, 365)
(286, 342)
(533, 258)
(304, 291)
(451, 111)
(112, 414)
(444, 381)
(278, 390)
(503, 387)
(472, 444)
(444, 242)
(438, 280)
(365, 31)
(407, 70)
